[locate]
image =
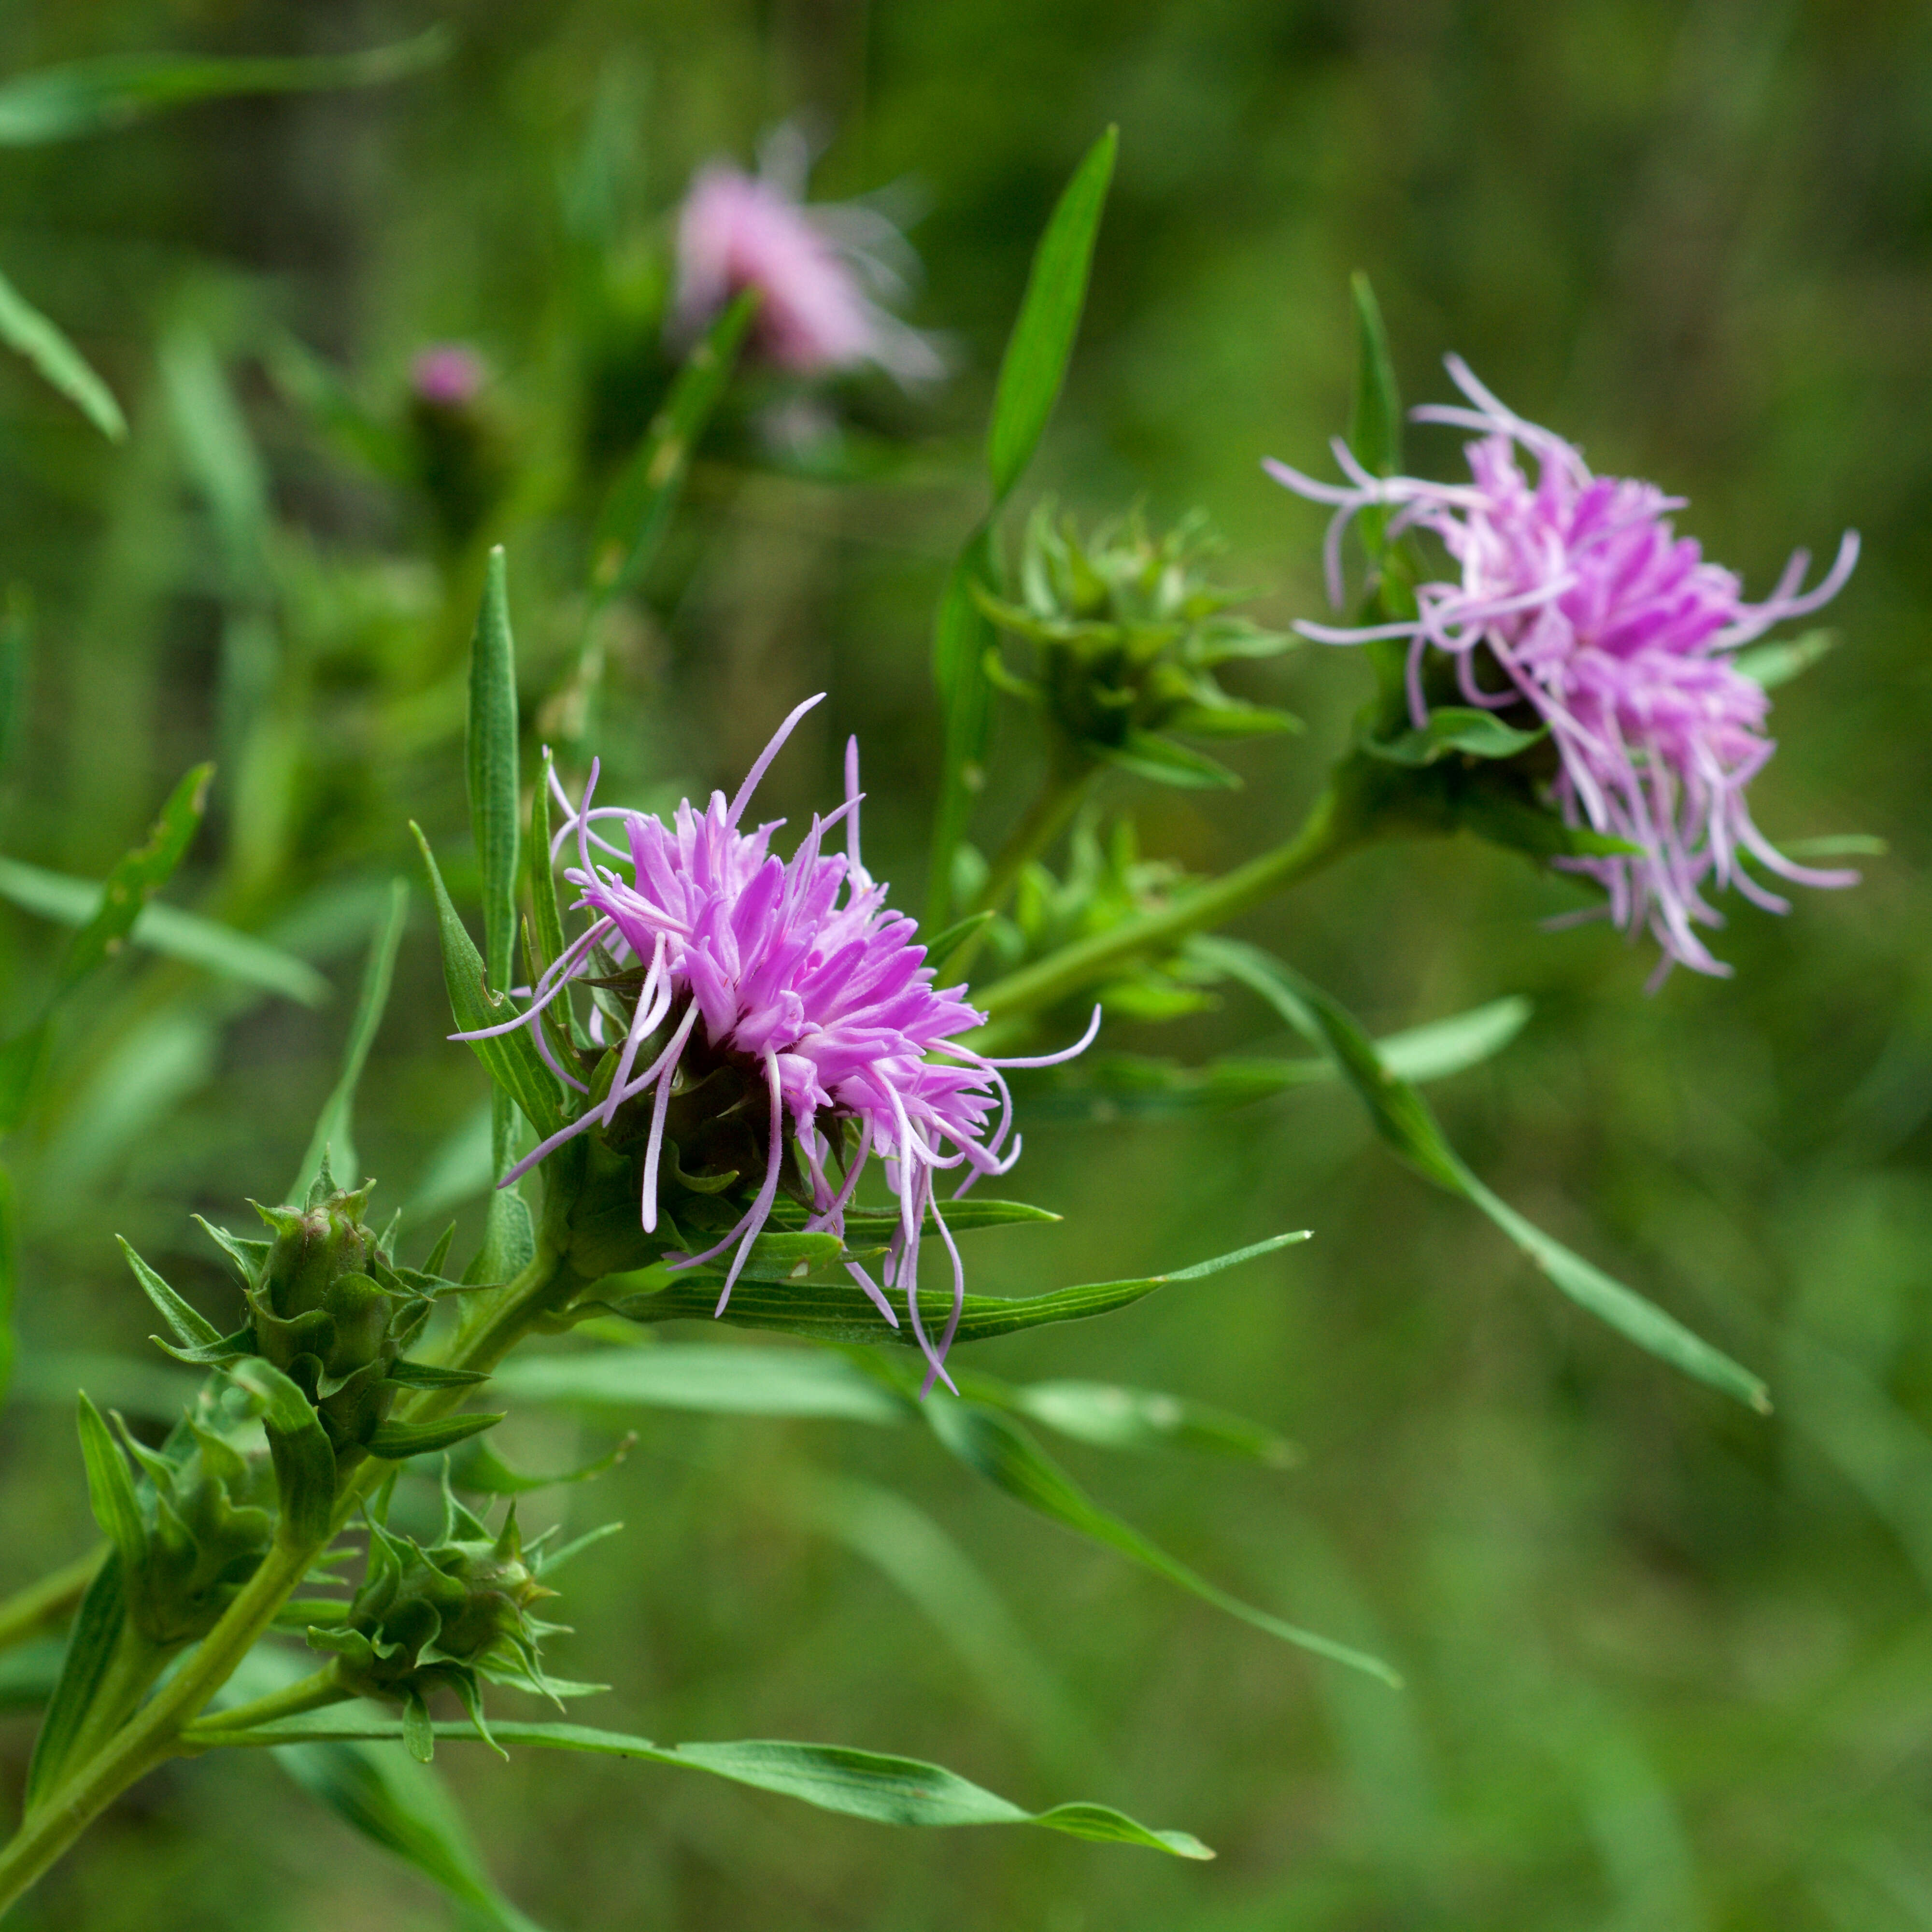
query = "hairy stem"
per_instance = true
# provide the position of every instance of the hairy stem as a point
(155, 1732)
(28, 1612)
(1326, 833)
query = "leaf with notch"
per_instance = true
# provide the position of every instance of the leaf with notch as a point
(491, 753)
(1403, 1119)
(862, 1784)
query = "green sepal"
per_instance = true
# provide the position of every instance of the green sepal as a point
(397, 1442)
(216, 1354)
(304, 1462)
(190, 1328)
(432, 1375)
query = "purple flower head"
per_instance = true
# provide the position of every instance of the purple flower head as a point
(817, 270)
(1618, 634)
(449, 375)
(796, 977)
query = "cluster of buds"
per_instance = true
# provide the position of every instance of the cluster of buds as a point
(443, 1617)
(208, 1515)
(1127, 634)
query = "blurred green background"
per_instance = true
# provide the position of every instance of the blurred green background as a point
(1670, 1665)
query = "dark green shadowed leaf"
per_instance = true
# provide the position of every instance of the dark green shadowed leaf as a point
(167, 929)
(999, 1450)
(28, 333)
(840, 1311)
(91, 1647)
(1403, 1119)
(862, 1784)
(333, 1138)
(92, 97)
(942, 947)
(1041, 343)
(304, 1462)
(637, 513)
(136, 878)
(511, 1059)
(1375, 416)
(961, 638)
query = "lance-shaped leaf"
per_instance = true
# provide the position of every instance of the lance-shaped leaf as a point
(135, 879)
(490, 756)
(304, 1463)
(511, 1059)
(637, 513)
(1454, 730)
(166, 929)
(110, 1488)
(862, 1784)
(840, 1311)
(92, 1645)
(93, 96)
(333, 1139)
(1402, 1118)
(28, 333)
(1375, 415)
(713, 1378)
(1002, 1452)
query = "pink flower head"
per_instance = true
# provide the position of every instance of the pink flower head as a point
(817, 270)
(1619, 633)
(798, 972)
(448, 374)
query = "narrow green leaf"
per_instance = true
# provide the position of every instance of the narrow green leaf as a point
(9, 1236)
(397, 1441)
(304, 1463)
(217, 450)
(110, 1489)
(91, 1647)
(1403, 1119)
(28, 333)
(189, 1326)
(168, 930)
(637, 512)
(135, 879)
(837, 1311)
(942, 947)
(862, 1784)
(1443, 1047)
(1375, 417)
(491, 752)
(333, 1139)
(477, 1466)
(1454, 729)
(1114, 1417)
(1148, 755)
(1772, 664)
(1041, 343)
(717, 1379)
(92, 97)
(1002, 1452)
(21, 1059)
(875, 1225)
(512, 1059)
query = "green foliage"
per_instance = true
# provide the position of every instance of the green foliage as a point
(28, 333)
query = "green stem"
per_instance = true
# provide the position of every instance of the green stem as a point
(313, 1692)
(1325, 834)
(28, 1612)
(154, 1733)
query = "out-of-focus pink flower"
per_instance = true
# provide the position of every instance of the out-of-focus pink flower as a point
(819, 271)
(1620, 636)
(449, 375)
(801, 975)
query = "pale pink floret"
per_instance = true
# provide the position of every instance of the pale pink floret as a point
(1619, 633)
(816, 270)
(801, 967)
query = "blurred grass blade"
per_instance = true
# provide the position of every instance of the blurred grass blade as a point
(1770, 665)
(961, 638)
(166, 929)
(637, 512)
(1446, 1046)
(136, 879)
(511, 1059)
(713, 1378)
(841, 1311)
(9, 1236)
(862, 1784)
(1110, 1417)
(92, 1644)
(1375, 415)
(459, 1170)
(1041, 343)
(17, 637)
(333, 1138)
(217, 450)
(25, 331)
(29, 1673)
(491, 752)
(92, 97)
(1403, 1119)
(1002, 1452)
